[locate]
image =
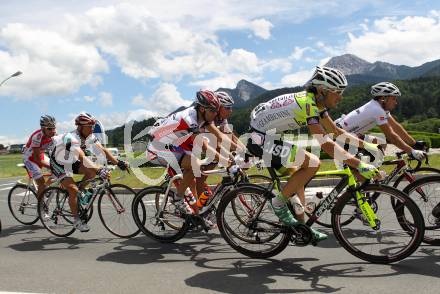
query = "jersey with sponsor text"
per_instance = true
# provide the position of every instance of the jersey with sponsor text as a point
(285, 112)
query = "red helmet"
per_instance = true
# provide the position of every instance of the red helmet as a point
(207, 99)
(85, 119)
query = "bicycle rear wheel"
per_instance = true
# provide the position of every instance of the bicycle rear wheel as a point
(114, 209)
(23, 204)
(250, 226)
(389, 243)
(55, 213)
(165, 225)
(426, 194)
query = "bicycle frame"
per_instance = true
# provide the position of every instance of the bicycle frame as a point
(219, 192)
(328, 203)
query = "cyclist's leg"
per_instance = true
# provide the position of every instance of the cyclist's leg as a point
(88, 172)
(308, 165)
(187, 181)
(34, 172)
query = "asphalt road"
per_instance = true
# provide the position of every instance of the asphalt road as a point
(32, 260)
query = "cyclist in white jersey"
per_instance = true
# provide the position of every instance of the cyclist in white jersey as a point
(68, 157)
(376, 112)
(33, 152)
(222, 123)
(289, 112)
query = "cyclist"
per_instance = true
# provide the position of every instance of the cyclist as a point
(227, 140)
(376, 112)
(33, 151)
(68, 157)
(222, 123)
(173, 139)
(271, 119)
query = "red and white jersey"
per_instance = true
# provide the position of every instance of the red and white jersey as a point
(36, 140)
(177, 129)
(363, 119)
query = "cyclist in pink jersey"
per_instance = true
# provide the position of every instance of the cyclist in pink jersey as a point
(33, 151)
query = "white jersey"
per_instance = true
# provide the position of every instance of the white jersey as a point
(363, 119)
(177, 129)
(285, 112)
(65, 144)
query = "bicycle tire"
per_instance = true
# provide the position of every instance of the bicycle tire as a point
(432, 224)
(122, 208)
(421, 169)
(379, 237)
(55, 213)
(253, 240)
(33, 218)
(148, 197)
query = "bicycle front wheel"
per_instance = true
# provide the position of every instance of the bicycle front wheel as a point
(248, 224)
(23, 204)
(390, 242)
(425, 192)
(156, 216)
(114, 209)
(55, 213)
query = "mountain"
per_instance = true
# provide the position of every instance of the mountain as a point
(359, 71)
(243, 92)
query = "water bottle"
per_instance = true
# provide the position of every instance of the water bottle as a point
(297, 205)
(203, 198)
(85, 196)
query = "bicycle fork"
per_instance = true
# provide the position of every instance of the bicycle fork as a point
(367, 211)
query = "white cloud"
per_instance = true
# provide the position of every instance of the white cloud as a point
(163, 101)
(296, 79)
(8, 140)
(105, 99)
(51, 63)
(411, 40)
(89, 98)
(261, 28)
(298, 52)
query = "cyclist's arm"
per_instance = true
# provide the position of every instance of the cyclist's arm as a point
(394, 138)
(107, 153)
(210, 151)
(36, 153)
(330, 147)
(222, 138)
(401, 132)
(341, 134)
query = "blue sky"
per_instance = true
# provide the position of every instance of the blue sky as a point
(124, 60)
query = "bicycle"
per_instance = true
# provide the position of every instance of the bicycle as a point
(163, 222)
(22, 200)
(426, 193)
(402, 171)
(114, 208)
(357, 219)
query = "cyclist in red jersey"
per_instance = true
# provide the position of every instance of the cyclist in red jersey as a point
(174, 137)
(33, 151)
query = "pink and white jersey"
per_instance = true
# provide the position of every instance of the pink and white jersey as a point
(36, 140)
(177, 129)
(363, 119)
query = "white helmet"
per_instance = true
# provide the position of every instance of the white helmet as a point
(330, 78)
(224, 98)
(384, 89)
